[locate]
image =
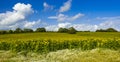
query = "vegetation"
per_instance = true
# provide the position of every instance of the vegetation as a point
(46, 42)
(71, 30)
(61, 47)
(107, 30)
(27, 30)
(63, 30)
(66, 55)
(18, 30)
(40, 30)
(45, 46)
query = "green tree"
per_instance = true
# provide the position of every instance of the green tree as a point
(63, 30)
(101, 30)
(40, 30)
(111, 30)
(18, 30)
(3, 32)
(27, 30)
(72, 30)
(10, 31)
(107, 30)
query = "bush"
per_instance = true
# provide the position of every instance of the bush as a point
(40, 30)
(63, 30)
(111, 30)
(3, 32)
(107, 30)
(71, 30)
(28, 30)
(18, 30)
(10, 31)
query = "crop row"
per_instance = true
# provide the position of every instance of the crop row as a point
(44, 46)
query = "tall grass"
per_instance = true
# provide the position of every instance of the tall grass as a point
(66, 55)
(44, 46)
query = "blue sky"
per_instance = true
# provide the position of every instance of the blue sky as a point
(53, 14)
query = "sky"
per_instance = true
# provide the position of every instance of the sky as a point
(83, 15)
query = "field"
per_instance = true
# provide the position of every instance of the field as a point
(61, 47)
(60, 36)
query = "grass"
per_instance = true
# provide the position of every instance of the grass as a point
(60, 36)
(60, 47)
(74, 55)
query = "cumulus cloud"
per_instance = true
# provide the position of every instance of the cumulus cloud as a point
(20, 11)
(64, 25)
(62, 17)
(47, 6)
(107, 22)
(79, 27)
(32, 24)
(52, 28)
(17, 17)
(66, 6)
(110, 22)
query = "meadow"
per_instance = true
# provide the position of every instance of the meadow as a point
(51, 46)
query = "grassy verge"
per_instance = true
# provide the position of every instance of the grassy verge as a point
(74, 55)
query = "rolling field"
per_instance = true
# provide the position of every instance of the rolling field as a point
(60, 36)
(51, 47)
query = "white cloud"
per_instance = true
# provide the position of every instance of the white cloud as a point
(62, 17)
(79, 27)
(52, 28)
(16, 18)
(32, 24)
(66, 6)
(85, 27)
(76, 16)
(64, 25)
(22, 8)
(109, 22)
(20, 11)
(47, 6)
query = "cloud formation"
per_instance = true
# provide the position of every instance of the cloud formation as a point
(107, 22)
(16, 18)
(66, 6)
(79, 27)
(62, 17)
(47, 6)
(20, 11)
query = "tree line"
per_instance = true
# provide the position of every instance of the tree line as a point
(70, 30)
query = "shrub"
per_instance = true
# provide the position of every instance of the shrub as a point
(63, 30)
(40, 30)
(27, 30)
(71, 30)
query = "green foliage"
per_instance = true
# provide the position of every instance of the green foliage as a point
(10, 31)
(107, 30)
(63, 30)
(71, 30)
(3, 32)
(40, 30)
(18, 30)
(27, 30)
(111, 30)
(45, 46)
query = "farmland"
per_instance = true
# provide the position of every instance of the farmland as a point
(51, 46)
(60, 36)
